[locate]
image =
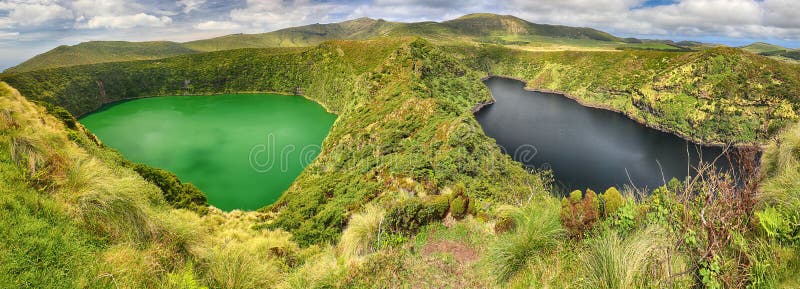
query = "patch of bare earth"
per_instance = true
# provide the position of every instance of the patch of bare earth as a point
(461, 252)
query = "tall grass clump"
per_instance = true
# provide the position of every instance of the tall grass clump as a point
(117, 218)
(536, 230)
(781, 170)
(610, 261)
(362, 233)
(241, 266)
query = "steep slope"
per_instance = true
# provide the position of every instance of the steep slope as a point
(403, 100)
(101, 51)
(407, 190)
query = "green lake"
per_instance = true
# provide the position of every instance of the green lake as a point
(242, 150)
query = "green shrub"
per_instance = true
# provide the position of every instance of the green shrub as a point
(177, 194)
(413, 214)
(459, 206)
(578, 213)
(612, 201)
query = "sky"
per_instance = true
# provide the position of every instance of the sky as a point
(30, 27)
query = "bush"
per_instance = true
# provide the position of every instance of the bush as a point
(413, 214)
(459, 206)
(578, 213)
(612, 201)
(177, 194)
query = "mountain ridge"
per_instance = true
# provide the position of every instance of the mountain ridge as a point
(492, 28)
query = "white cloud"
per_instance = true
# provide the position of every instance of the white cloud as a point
(276, 14)
(217, 25)
(696, 18)
(32, 13)
(128, 21)
(190, 5)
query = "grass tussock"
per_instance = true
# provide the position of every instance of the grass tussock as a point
(611, 261)
(363, 232)
(781, 170)
(537, 229)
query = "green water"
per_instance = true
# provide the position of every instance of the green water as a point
(243, 150)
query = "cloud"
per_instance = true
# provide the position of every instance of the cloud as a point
(217, 25)
(276, 14)
(32, 13)
(117, 14)
(128, 21)
(685, 18)
(190, 5)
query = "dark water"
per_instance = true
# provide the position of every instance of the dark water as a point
(585, 147)
(243, 151)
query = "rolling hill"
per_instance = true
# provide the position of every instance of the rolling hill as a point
(480, 28)
(774, 51)
(102, 51)
(761, 47)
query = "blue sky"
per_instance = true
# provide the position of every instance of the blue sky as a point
(30, 27)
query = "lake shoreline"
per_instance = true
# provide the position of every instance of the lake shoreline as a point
(584, 103)
(202, 94)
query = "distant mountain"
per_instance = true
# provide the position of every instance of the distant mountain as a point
(102, 51)
(492, 28)
(308, 35)
(480, 28)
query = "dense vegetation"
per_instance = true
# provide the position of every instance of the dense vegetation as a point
(407, 190)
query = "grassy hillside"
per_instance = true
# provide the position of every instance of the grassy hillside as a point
(773, 51)
(480, 28)
(407, 191)
(759, 47)
(308, 35)
(101, 51)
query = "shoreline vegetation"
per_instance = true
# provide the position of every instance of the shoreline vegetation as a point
(407, 190)
(115, 101)
(478, 107)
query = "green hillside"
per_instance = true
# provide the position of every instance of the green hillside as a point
(761, 47)
(407, 190)
(473, 28)
(774, 52)
(101, 51)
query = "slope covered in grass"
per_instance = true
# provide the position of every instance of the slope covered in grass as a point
(407, 191)
(473, 28)
(102, 51)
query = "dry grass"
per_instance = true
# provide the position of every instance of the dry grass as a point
(362, 233)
